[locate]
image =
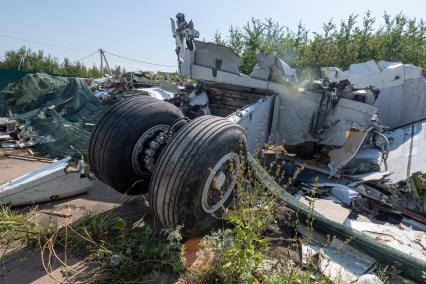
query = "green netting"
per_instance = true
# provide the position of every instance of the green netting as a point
(31, 92)
(58, 112)
(8, 76)
(55, 135)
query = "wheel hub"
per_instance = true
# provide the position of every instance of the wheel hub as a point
(219, 180)
(220, 183)
(147, 148)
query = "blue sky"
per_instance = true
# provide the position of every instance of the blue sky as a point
(141, 29)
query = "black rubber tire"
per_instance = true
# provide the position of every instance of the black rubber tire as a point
(115, 135)
(183, 168)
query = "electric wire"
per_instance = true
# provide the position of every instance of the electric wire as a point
(85, 57)
(140, 61)
(79, 49)
(43, 43)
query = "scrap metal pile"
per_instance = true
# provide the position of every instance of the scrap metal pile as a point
(351, 143)
(55, 116)
(56, 113)
(357, 137)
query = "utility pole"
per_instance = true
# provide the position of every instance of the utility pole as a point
(103, 57)
(106, 62)
(21, 62)
(102, 62)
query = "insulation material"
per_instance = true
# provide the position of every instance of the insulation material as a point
(71, 97)
(366, 160)
(30, 92)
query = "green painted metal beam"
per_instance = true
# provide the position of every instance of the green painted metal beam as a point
(411, 267)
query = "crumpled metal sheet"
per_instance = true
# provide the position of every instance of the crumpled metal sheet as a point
(403, 238)
(402, 98)
(218, 57)
(271, 67)
(407, 148)
(47, 183)
(294, 115)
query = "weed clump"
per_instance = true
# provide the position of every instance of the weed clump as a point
(118, 252)
(115, 251)
(244, 252)
(21, 228)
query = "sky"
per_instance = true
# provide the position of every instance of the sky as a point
(141, 29)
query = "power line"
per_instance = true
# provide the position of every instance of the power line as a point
(140, 61)
(79, 49)
(43, 43)
(85, 57)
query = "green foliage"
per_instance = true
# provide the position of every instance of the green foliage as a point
(39, 62)
(122, 254)
(293, 277)
(135, 254)
(239, 253)
(119, 253)
(354, 40)
(218, 38)
(16, 227)
(245, 253)
(21, 228)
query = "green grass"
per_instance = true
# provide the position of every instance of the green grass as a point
(119, 253)
(19, 228)
(116, 251)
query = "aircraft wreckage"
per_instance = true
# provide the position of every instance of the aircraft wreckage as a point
(358, 136)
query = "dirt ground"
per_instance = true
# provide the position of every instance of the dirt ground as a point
(24, 265)
(13, 168)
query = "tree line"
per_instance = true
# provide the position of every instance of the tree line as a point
(37, 61)
(353, 40)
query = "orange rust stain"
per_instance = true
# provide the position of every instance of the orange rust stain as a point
(194, 255)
